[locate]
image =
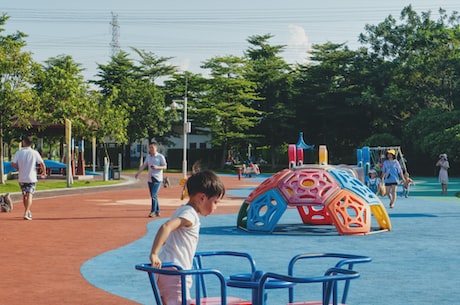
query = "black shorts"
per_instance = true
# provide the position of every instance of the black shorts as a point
(392, 183)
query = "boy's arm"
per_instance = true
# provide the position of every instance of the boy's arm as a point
(162, 236)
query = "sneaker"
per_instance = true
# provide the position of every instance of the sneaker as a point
(28, 216)
(157, 214)
(152, 214)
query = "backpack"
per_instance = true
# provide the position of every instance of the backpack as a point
(6, 205)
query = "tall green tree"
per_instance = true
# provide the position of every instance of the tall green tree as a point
(153, 66)
(132, 87)
(271, 75)
(118, 85)
(156, 121)
(418, 63)
(424, 60)
(329, 109)
(433, 131)
(226, 108)
(64, 94)
(17, 104)
(109, 119)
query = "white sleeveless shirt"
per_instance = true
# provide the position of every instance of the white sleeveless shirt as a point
(180, 247)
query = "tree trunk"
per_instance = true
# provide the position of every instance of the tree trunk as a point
(127, 155)
(2, 170)
(224, 156)
(273, 156)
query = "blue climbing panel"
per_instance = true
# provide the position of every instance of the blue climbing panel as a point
(265, 211)
(347, 181)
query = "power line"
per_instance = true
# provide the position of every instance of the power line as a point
(191, 33)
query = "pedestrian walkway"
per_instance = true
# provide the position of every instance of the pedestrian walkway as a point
(41, 259)
(82, 248)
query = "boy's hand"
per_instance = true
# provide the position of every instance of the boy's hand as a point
(155, 260)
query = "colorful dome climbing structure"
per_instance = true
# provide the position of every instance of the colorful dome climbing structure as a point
(322, 195)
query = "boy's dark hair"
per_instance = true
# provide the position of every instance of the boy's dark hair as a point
(205, 182)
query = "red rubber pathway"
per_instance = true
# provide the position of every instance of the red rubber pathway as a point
(41, 259)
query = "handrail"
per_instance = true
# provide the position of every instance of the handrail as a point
(329, 280)
(182, 273)
(346, 260)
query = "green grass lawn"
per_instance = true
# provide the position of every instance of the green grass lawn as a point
(12, 186)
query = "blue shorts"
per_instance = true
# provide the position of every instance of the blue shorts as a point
(27, 188)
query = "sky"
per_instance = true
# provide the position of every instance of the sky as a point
(192, 31)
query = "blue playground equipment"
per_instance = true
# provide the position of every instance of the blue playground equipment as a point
(372, 158)
(332, 271)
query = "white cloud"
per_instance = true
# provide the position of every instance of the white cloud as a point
(297, 45)
(184, 64)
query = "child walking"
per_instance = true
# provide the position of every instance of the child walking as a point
(177, 239)
(406, 184)
(373, 182)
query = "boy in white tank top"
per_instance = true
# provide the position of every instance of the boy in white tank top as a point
(177, 239)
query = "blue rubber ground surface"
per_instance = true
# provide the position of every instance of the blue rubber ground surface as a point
(416, 263)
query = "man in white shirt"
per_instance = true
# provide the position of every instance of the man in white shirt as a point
(156, 163)
(25, 161)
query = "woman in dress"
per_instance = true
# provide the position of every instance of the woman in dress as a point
(443, 164)
(391, 171)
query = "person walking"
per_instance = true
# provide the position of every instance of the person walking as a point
(407, 184)
(443, 177)
(391, 171)
(25, 161)
(156, 163)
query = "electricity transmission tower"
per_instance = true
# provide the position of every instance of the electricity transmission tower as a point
(115, 45)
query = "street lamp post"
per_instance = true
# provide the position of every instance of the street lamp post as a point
(186, 129)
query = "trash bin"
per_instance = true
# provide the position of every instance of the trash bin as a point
(114, 173)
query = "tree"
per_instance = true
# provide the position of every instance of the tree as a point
(156, 121)
(64, 94)
(328, 103)
(434, 131)
(154, 67)
(271, 75)
(226, 106)
(110, 119)
(133, 89)
(424, 60)
(17, 105)
(418, 60)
